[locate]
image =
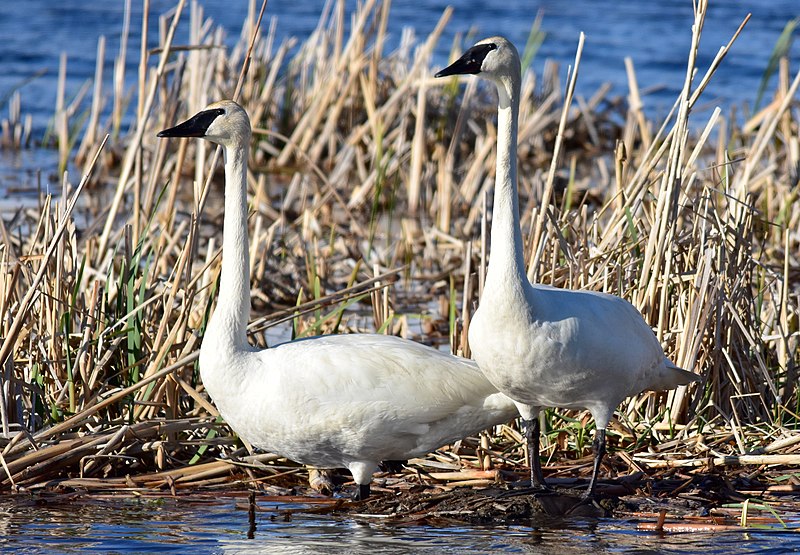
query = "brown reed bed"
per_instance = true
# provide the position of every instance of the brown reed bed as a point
(368, 187)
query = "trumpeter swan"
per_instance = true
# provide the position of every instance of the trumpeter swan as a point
(543, 346)
(333, 401)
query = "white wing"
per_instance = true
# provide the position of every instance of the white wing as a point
(361, 396)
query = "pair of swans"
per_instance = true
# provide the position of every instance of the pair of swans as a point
(355, 400)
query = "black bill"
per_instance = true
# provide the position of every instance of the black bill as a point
(196, 126)
(470, 63)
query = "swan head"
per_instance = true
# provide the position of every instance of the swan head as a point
(224, 123)
(494, 58)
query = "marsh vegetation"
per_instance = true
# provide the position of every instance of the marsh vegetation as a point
(368, 184)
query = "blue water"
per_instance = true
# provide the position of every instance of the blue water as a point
(655, 34)
(187, 525)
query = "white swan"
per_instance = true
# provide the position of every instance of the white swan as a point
(333, 401)
(543, 346)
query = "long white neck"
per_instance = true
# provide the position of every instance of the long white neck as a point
(227, 330)
(506, 264)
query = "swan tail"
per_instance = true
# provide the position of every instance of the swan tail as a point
(674, 376)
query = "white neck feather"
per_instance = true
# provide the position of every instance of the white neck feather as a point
(227, 330)
(506, 264)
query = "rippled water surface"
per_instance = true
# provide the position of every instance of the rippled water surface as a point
(191, 525)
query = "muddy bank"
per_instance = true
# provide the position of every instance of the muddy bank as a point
(504, 503)
(682, 503)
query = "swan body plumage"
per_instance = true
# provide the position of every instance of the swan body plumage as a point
(550, 352)
(540, 345)
(331, 401)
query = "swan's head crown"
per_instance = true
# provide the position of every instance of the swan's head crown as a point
(494, 58)
(224, 122)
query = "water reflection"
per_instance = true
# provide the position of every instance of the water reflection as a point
(198, 526)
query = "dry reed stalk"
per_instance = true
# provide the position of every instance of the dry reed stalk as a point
(61, 123)
(90, 136)
(635, 109)
(417, 149)
(687, 527)
(119, 72)
(143, 59)
(731, 460)
(140, 129)
(55, 242)
(544, 205)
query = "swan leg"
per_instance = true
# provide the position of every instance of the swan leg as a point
(361, 493)
(599, 447)
(362, 476)
(532, 433)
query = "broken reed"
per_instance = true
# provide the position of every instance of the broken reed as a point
(368, 184)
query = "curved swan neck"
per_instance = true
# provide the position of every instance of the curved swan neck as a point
(228, 326)
(506, 264)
